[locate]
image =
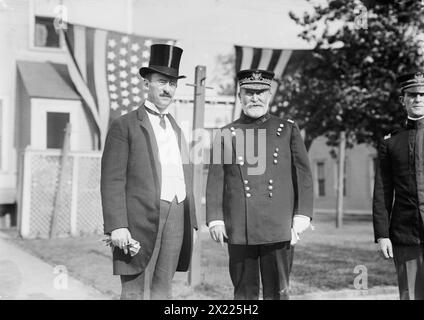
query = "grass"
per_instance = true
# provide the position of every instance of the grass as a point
(325, 259)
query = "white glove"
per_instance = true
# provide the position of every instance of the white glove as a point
(301, 223)
(294, 237)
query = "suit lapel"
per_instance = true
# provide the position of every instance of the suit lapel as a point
(147, 127)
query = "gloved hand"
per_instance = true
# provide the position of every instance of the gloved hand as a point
(301, 223)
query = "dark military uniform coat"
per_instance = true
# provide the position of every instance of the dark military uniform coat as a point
(259, 209)
(395, 179)
(131, 187)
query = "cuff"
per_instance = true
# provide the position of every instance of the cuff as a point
(214, 223)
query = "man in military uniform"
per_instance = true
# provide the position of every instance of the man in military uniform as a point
(398, 224)
(259, 208)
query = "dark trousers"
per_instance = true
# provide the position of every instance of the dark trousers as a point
(272, 262)
(409, 262)
(156, 281)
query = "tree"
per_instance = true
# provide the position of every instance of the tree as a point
(349, 82)
(223, 74)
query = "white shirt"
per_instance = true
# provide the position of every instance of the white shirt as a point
(173, 184)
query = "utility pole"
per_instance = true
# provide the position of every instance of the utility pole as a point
(194, 276)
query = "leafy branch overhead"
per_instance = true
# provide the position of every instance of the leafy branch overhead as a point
(348, 82)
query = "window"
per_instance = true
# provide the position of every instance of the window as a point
(321, 178)
(56, 124)
(45, 34)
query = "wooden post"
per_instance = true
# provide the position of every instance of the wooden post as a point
(198, 122)
(340, 179)
(61, 181)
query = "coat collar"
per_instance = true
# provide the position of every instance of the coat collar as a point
(244, 119)
(415, 124)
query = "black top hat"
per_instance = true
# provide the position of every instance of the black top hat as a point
(164, 59)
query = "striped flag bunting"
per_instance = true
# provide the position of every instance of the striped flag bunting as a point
(281, 61)
(103, 66)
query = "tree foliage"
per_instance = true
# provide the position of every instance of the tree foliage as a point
(349, 83)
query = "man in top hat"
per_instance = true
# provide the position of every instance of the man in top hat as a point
(398, 205)
(146, 187)
(259, 207)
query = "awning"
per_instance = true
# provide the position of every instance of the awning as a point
(47, 80)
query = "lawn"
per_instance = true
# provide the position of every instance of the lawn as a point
(325, 259)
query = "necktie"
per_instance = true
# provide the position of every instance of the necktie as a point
(162, 122)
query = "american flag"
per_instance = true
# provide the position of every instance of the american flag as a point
(280, 61)
(103, 66)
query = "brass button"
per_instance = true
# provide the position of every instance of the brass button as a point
(246, 188)
(270, 194)
(282, 125)
(271, 181)
(278, 134)
(242, 163)
(270, 187)
(279, 129)
(232, 128)
(277, 149)
(246, 181)
(275, 161)
(248, 195)
(275, 154)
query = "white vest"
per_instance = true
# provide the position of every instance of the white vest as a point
(173, 184)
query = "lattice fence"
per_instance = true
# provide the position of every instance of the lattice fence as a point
(79, 210)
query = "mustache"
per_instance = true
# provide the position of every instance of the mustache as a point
(167, 95)
(255, 105)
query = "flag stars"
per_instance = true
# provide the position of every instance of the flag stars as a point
(134, 59)
(134, 80)
(126, 102)
(123, 74)
(135, 47)
(135, 90)
(148, 43)
(111, 77)
(124, 84)
(125, 93)
(112, 43)
(134, 70)
(122, 63)
(114, 96)
(112, 87)
(114, 105)
(137, 99)
(123, 51)
(125, 39)
(111, 55)
(145, 64)
(124, 112)
(111, 67)
(146, 54)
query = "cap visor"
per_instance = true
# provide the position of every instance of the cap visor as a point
(415, 89)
